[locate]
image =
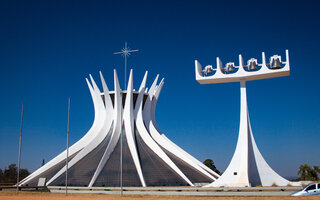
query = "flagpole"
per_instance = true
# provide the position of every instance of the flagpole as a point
(67, 146)
(20, 142)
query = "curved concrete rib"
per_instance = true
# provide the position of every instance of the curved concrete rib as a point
(267, 174)
(153, 120)
(128, 119)
(192, 158)
(147, 105)
(142, 90)
(104, 125)
(149, 118)
(107, 99)
(154, 105)
(85, 140)
(149, 141)
(116, 130)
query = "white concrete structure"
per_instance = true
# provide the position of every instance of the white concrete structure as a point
(148, 157)
(247, 167)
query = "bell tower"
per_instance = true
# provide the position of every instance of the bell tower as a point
(247, 167)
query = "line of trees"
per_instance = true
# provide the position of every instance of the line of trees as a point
(308, 173)
(9, 175)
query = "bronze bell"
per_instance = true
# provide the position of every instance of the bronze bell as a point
(252, 66)
(230, 68)
(209, 70)
(276, 64)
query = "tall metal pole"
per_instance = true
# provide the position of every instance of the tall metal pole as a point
(19, 157)
(67, 146)
(121, 187)
(125, 69)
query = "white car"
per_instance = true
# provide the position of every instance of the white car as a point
(311, 189)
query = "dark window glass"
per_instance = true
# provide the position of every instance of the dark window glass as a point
(81, 173)
(193, 174)
(311, 187)
(49, 173)
(156, 172)
(110, 175)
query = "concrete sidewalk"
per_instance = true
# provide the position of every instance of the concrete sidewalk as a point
(182, 191)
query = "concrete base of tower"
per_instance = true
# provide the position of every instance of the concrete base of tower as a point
(247, 167)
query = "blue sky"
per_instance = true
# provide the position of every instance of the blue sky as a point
(48, 48)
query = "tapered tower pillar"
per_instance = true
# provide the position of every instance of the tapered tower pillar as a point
(247, 167)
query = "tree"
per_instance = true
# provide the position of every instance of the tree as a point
(315, 171)
(1, 176)
(209, 163)
(23, 174)
(308, 173)
(9, 176)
